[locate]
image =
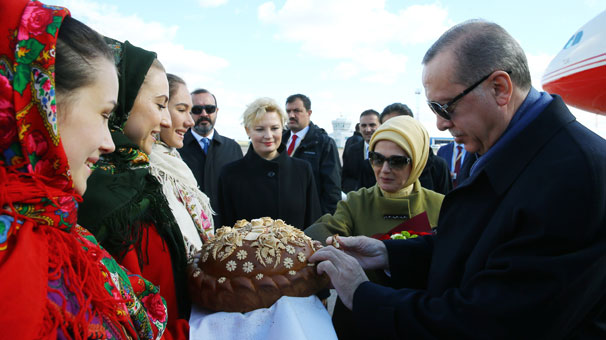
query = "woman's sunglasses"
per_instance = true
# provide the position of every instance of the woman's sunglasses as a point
(197, 109)
(394, 162)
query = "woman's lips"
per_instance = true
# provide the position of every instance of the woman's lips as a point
(180, 133)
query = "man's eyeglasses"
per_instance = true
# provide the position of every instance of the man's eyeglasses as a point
(197, 109)
(394, 162)
(442, 110)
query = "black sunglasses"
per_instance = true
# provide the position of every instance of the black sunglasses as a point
(197, 109)
(394, 162)
(442, 110)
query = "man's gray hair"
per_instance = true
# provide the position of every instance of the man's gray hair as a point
(481, 47)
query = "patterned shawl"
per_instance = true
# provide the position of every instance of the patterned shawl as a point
(57, 282)
(190, 206)
(123, 199)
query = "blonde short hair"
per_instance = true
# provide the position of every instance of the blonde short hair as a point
(257, 109)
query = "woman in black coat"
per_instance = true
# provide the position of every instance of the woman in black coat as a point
(267, 182)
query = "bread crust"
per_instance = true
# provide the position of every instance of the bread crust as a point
(253, 264)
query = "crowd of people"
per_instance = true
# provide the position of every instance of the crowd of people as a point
(113, 176)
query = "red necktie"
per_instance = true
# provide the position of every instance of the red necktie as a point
(291, 147)
(457, 164)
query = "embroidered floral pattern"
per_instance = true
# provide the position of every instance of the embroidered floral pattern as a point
(30, 144)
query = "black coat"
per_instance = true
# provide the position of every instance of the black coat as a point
(319, 150)
(436, 175)
(520, 251)
(357, 171)
(356, 137)
(253, 187)
(206, 168)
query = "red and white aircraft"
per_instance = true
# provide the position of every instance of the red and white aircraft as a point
(578, 72)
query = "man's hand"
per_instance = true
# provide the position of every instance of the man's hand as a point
(370, 253)
(344, 271)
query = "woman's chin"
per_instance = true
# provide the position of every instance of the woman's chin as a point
(80, 189)
(388, 188)
(147, 147)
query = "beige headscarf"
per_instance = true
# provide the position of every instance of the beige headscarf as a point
(412, 137)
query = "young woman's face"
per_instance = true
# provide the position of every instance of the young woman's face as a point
(82, 120)
(179, 107)
(266, 135)
(149, 112)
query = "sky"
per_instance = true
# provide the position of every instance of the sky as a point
(347, 56)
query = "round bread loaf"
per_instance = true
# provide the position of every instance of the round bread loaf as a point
(252, 265)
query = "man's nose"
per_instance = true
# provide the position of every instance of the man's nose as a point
(443, 124)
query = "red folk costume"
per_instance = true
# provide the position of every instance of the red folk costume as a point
(124, 206)
(56, 281)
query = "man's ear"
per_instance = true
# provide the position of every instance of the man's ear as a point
(502, 87)
(309, 111)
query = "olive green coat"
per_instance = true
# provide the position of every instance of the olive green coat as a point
(368, 212)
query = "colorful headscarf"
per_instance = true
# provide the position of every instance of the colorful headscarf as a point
(123, 198)
(411, 136)
(56, 282)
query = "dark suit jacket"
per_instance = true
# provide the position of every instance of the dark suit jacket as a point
(206, 168)
(445, 152)
(320, 151)
(435, 175)
(519, 252)
(253, 187)
(357, 172)
(356, 137)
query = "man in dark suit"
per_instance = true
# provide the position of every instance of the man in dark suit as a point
(520, 247)
(204, 150)
(357, 172)
(435, 175)
(354, 138)
(455, 155)
(307, 141)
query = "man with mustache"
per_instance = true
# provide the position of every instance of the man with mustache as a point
(204, 150)
(519, 249)
(307, 141)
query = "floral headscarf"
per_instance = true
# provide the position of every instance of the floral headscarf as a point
(123, 199)
(56, 280)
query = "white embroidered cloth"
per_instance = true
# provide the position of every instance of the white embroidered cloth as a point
(292, 318)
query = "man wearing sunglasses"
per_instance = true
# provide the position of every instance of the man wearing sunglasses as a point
(204, 150)
(520, 249)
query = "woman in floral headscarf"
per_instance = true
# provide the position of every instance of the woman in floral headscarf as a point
(124, 206)
(56, 281)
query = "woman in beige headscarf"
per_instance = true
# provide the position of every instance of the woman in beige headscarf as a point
(398, 152)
